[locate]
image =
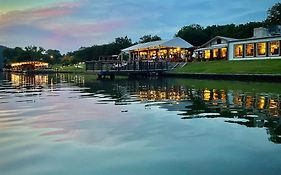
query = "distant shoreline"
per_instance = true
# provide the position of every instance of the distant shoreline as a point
(210, 76)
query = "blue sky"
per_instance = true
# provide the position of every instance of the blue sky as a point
(69, 24)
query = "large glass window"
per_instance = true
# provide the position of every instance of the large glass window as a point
(207, 54)
(249, 50)
(216, 53)
(224, 52)
(274, 48)
(238, 50)
(261, 49)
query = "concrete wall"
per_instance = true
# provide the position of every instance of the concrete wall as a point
(232, 44)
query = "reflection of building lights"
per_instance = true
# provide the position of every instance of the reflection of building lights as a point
(223, 95)
(161, 95)
(249, 101)
(261, 103)
(215, 95)
(273, 104)
(207, 95)
(238, 100)
(19, 80)
(274, 108)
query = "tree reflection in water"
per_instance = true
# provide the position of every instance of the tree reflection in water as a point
(247, 108)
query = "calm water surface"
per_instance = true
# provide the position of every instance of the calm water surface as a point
(73, 124)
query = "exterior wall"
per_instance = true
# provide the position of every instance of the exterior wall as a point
(231, 49)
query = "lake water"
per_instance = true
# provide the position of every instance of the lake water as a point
(66, 124)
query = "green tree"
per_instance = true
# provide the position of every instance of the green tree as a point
(149, 38)
(194, 34)
(53, 56)
(274, 15)
(94, 52)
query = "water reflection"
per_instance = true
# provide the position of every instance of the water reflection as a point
(251, 109)
(247, 108)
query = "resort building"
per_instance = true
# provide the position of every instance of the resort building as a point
(175, 49)
(29, 66)
(263, 45)
(214, 49)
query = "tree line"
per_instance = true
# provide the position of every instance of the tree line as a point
(195, 34)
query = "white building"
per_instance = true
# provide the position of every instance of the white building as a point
(175, 49)
(262, 45)
(214, 49)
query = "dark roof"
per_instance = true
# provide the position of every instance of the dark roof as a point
(255, 38)
(219, 37)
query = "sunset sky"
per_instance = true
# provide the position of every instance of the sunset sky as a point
(69, 24)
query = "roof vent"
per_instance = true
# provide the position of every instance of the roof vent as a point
(261, 32)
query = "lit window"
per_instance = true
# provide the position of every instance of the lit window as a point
(207, 54)
(274, 48)
(224, 52)
(261, 49)
(250, 50)
(238, 50)
(216, 53)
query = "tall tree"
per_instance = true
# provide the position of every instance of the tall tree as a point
(194, 34)
(149, 38)
(53, 56)
(274, 15)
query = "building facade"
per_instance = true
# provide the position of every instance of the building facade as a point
(214, 49)
(262, 45)
(265, 44)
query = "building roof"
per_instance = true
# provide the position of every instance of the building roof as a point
(175, 43)
(219, 37)
(217, 46)
(256, 38)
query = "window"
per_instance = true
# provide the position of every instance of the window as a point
(216, 53)
(238, 51)
(218, 41)
(249, 50)
(207, 54)
(274, 47)
(223, 52)
(261, 49)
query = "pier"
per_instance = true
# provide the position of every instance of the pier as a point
(110, 69)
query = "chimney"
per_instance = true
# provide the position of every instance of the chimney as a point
(261, 32)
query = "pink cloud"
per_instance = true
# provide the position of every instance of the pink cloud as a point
(36, 14)
(70, 29)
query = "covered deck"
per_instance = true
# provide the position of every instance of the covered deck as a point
(173, 50)
(29, 66)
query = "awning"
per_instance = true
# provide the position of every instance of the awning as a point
(173, 43)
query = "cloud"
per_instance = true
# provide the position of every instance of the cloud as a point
(68, 25)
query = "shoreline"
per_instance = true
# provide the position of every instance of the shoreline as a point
(203, 76)
(216, 76)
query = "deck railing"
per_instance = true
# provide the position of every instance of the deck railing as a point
(126, 66)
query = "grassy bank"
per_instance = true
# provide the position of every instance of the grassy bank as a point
(79, 68)
(233, 67)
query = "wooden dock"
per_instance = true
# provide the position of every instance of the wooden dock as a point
(105, 69)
